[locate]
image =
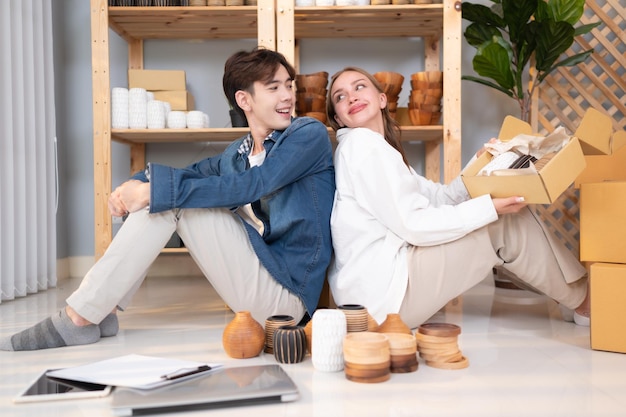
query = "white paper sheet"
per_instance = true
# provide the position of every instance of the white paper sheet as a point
(133, 371)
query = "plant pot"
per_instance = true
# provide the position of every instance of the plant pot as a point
(236, 119)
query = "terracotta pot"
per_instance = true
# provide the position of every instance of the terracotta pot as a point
(243, 337)
(394, 324)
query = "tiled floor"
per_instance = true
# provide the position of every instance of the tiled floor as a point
(524, 360)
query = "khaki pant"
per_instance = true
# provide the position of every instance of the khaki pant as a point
(520, 243)
(218, 243)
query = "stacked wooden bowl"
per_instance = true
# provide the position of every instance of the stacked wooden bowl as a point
(391, 83)
(437, 344)
(311, 95)
(367, 357)
(403, 351)
(425, 98)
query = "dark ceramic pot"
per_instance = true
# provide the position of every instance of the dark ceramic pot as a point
(289, 344)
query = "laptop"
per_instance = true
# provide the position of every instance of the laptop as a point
(226, 387)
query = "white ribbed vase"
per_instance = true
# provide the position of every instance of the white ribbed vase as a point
(328, 330)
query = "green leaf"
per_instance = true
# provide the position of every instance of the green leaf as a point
(567, 62)
(479, 13)
(584, 29)
(553, 38)
(476, 34)
(516, 14)
(487, 83)
(493, 62)
(569, 11)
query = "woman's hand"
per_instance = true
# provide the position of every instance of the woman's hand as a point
(508, 205)
(129, 197)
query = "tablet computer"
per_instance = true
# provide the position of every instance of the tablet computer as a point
(45, 388)
(225, 387)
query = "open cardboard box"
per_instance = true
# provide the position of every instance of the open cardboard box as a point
(549, 183)
(606, 167)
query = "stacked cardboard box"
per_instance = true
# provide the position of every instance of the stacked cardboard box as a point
(603, 236)
(167, 85)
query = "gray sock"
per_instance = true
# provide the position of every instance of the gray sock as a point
(109, 326)
(55, 331)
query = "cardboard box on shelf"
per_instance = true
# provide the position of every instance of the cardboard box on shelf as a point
(541, 188)
(179, 100)
(606, 167)
(603, 222)
(156, 80)
(608, 307)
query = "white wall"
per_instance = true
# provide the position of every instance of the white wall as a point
(483, 109)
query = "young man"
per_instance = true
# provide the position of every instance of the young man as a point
(254, 218)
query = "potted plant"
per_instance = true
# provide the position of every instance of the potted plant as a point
(520, 42)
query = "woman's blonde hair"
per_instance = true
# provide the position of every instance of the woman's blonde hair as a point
(391, 126)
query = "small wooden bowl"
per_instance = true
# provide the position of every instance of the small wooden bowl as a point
(425, 85)
(429, 76)
(311, 81)
(417, 96)
(373, 373)
(420, 117)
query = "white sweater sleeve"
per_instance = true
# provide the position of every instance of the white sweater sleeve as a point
(417, 210)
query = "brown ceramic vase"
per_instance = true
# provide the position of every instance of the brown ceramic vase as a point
(393, 324)
(243, 337)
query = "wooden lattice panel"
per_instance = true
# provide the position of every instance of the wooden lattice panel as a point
(565, 95)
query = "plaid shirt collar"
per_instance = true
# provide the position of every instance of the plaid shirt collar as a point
(246, 145)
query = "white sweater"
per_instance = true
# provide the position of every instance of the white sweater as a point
(381, 207)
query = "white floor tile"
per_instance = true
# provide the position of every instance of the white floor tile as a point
(524, 360)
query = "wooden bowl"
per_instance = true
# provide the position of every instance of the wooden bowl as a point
(429, 76)
(312, 90)
(311, 81)
(433, 108)
(321, 116)
(423, 118)
(425, 85)
(310, 104)
(372, 373)
(419, 97)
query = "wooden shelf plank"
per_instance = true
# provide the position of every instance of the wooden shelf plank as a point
(369, 21)
(240, 22)
(135, 136)
(222, 22)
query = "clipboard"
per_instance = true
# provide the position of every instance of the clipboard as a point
(136, 371)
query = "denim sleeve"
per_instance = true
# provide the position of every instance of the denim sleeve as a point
(303, 149)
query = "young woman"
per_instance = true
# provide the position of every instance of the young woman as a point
(404, 244)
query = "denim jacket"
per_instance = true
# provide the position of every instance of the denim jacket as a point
(291, 192)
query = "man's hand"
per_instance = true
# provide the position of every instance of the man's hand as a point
(508, 205)
(129, 197)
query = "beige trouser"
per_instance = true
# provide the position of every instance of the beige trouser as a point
(520, 243)
(218, 243)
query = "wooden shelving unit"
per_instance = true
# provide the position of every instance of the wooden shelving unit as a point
(440, 27)
(276, 24)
